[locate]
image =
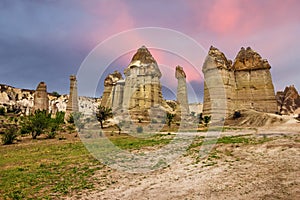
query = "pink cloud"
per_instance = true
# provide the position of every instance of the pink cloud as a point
(107, 18)
(223, 16)
(240, 18)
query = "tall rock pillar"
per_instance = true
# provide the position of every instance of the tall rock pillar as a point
(72, 105)
(41, 100)
(142, 89)
(218, 84)
(182, 96)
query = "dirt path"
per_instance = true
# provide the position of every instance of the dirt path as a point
(260, 171)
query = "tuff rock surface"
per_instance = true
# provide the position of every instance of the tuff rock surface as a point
(41, 100)
(21, 101)
(109, 87)
(288, 101)
(182, 95)
(245, 84)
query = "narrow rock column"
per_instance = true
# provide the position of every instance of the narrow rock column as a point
(41, 100)
(72, 105)
(182, 96)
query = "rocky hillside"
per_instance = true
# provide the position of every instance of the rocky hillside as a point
(21, 101)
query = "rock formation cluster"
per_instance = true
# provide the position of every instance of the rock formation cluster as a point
(141, 89)
(244, 84)
(288, 101)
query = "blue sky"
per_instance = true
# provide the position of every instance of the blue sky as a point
(47, 40)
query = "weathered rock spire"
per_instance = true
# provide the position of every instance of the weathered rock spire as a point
(182, 96)
(72, 105)
(41, 100)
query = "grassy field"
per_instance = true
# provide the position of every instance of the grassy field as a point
(49, 169)
(46, 169)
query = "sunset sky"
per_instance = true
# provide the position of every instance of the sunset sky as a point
(47, 40)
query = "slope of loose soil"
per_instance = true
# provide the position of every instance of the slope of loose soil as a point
(263, 168)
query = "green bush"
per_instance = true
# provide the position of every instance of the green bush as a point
(154, 121)
(9, 135)
(71, 120)
(51, 134)
(56, 94)
(41, 122)
(206, 120)
(2, 111)
(237, 114)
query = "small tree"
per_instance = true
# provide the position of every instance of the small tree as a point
(2, 111)
(200, 118)
(237, 114)
(78, 121)
(70, 120)
(37, 123)
(169, 119)
(103, 114)
(206, 120)
(54, 93)
(9, 135)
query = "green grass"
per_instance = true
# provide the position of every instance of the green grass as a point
(129, 142)
(31, 171)
(49, 170)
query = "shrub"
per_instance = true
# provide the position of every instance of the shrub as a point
(200, 118)
(139, 129)
(103, 114)
(37, 123)
(170, 119)
(154, 121)
(71, 119)
(71, 128)
(2, 111)
(9, 135)
(51, 134)
(55, 94)
(206, 120)
(237, 114)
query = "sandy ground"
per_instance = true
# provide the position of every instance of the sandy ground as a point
(270, 170)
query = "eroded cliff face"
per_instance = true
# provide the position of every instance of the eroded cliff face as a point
(288, 101)
(244, 84)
